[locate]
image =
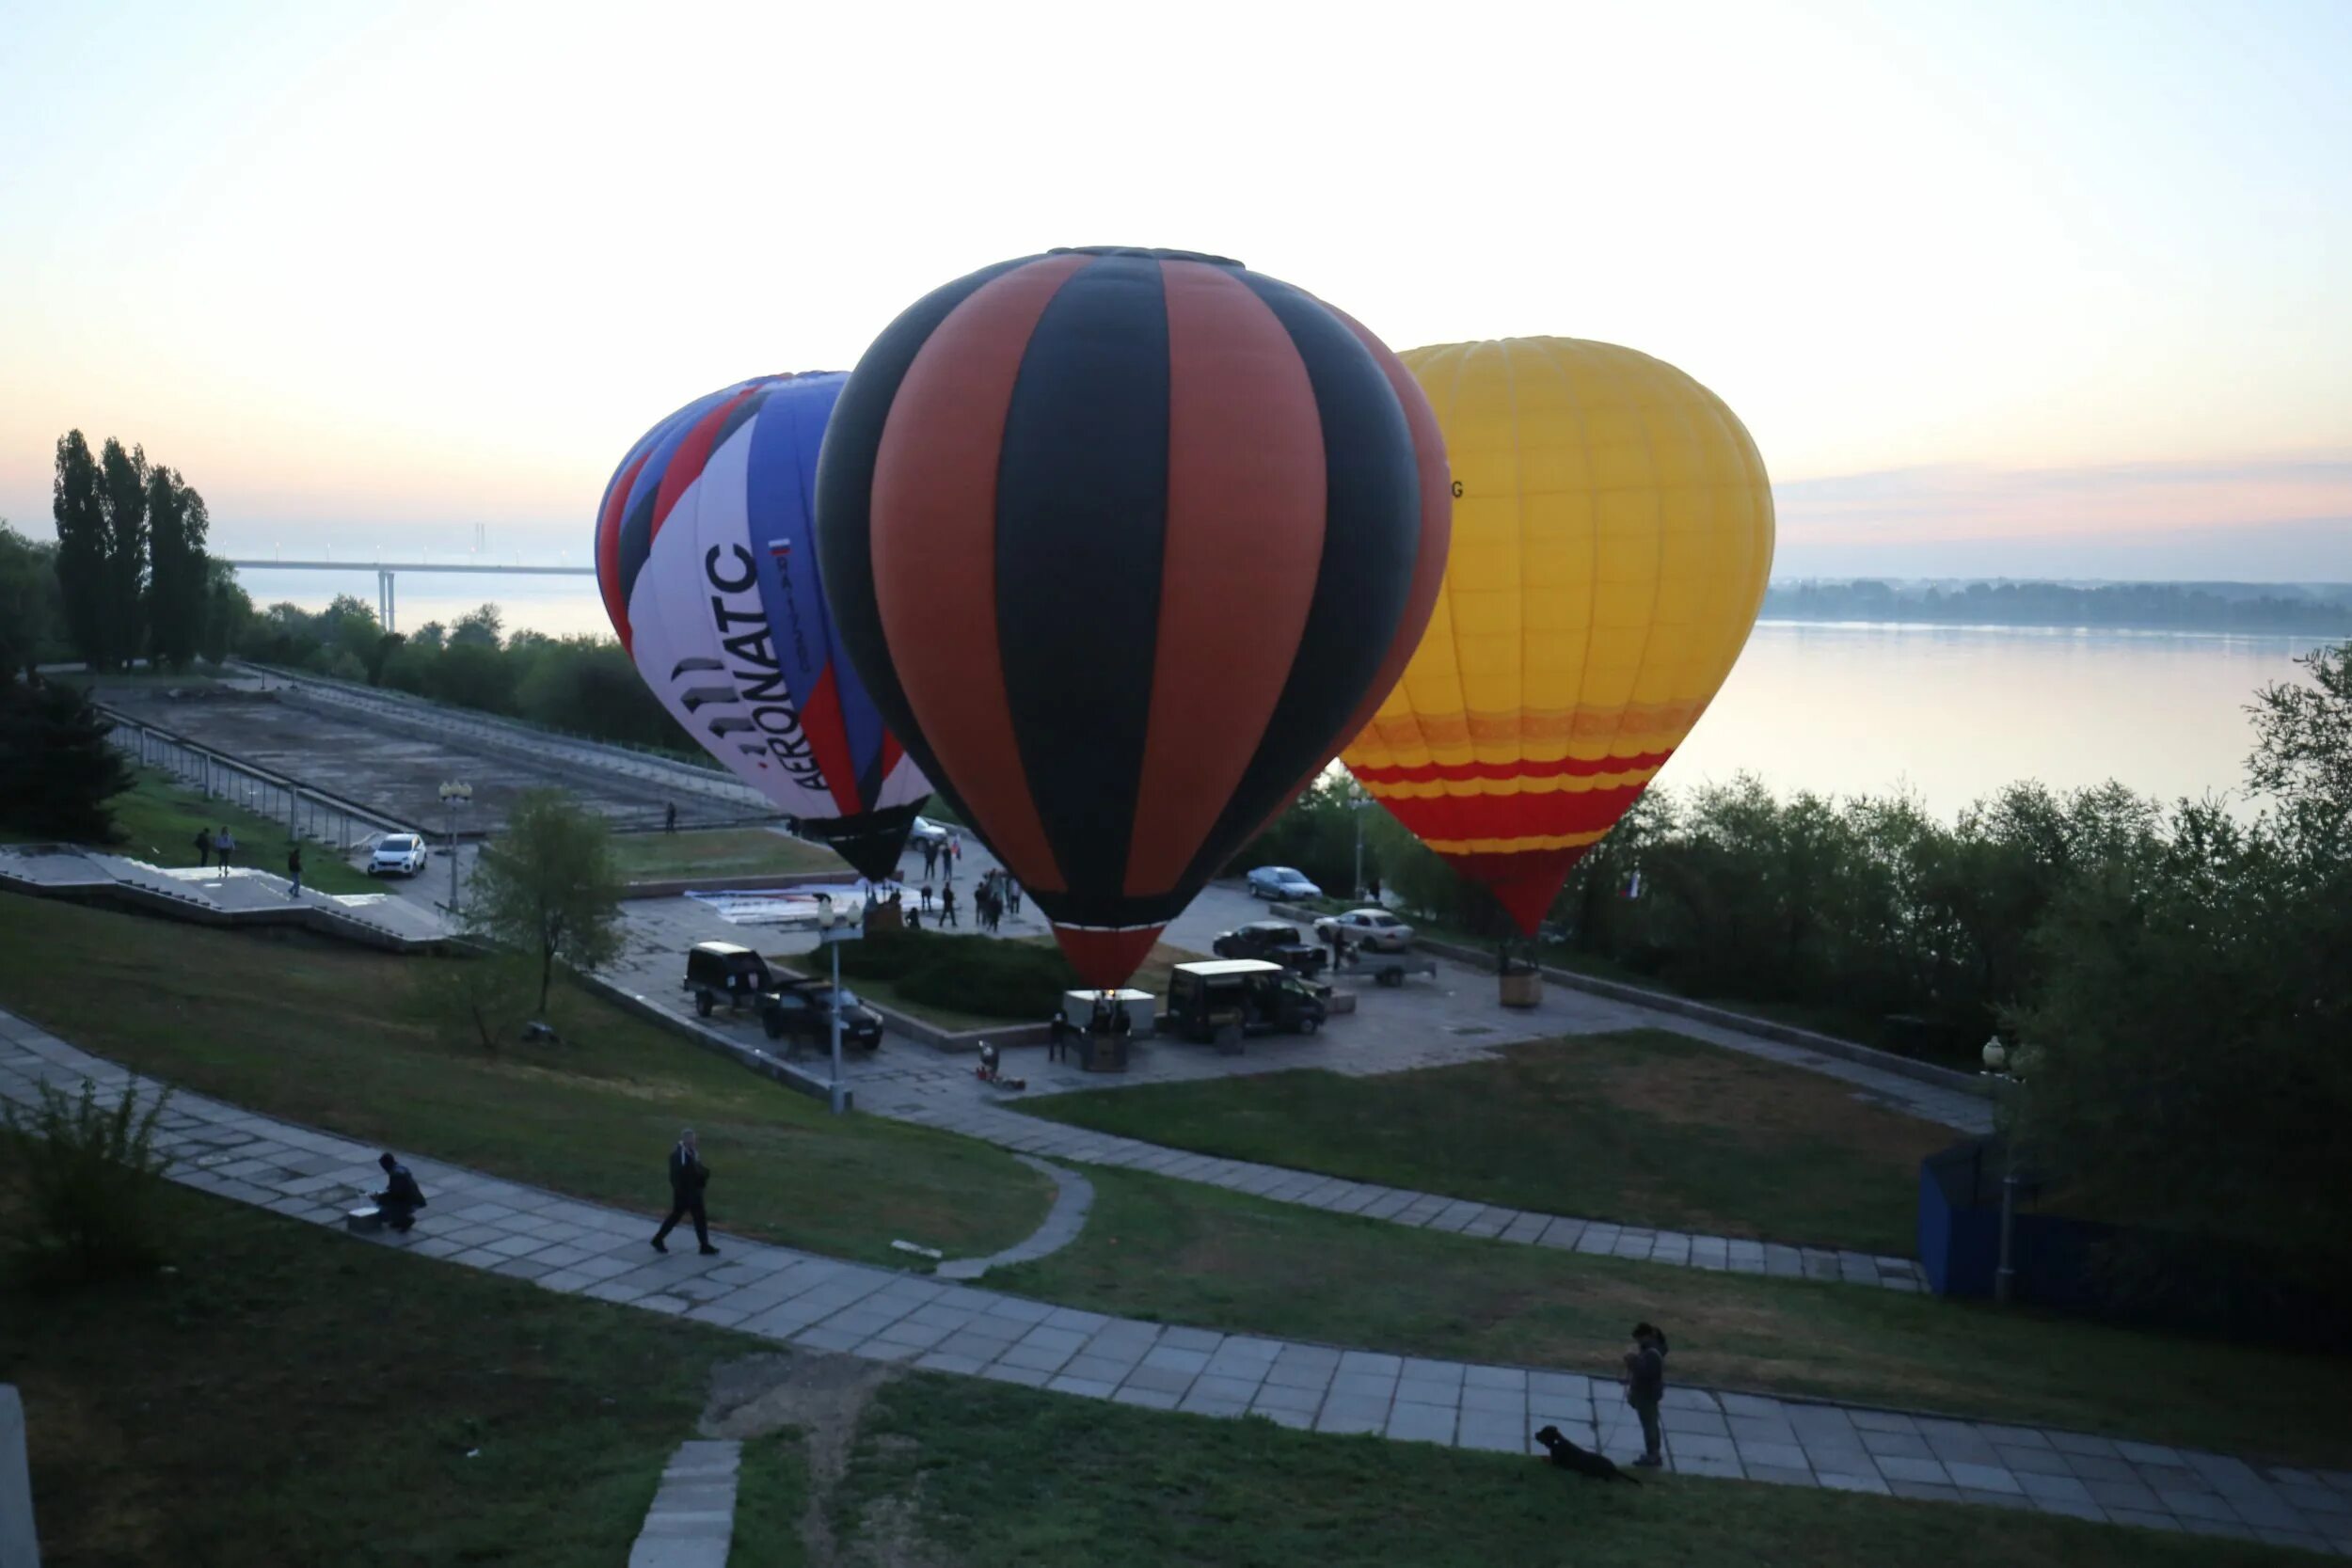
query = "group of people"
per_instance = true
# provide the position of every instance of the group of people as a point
(223, 845)
(935, 851)
(398, 1203)
(997, 896)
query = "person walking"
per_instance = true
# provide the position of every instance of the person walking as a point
(947, 905)
(204, 848)
(688, 1176)
(1012, 896)
(1645, 1386)
(1373, 891)
(930, 858)
(926, 905)
(225, 845)
(400, 1198)
(293, 870)
(668, 818)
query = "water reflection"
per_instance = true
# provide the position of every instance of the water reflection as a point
(1955, 712)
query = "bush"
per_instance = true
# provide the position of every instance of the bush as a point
(966, 973)
(91, 1175)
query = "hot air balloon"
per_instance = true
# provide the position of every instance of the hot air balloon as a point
(712, 579)
(1125, 543)
(1613, 531)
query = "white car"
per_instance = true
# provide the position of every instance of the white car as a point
(1281, 881)
(926, 832)
(1373, 930)
(402, 853)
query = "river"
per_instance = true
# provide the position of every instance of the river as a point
(1953, 713)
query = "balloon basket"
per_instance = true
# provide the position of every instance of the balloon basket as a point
(1525, 990)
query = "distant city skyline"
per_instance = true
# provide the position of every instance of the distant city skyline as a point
(1999, 291)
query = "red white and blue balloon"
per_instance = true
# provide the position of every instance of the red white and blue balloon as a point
(707, 569)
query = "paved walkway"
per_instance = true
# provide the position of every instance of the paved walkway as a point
(242, 894)
(692, 1522)
(1400, 1205)
(823, 1303)
(1073, 1198)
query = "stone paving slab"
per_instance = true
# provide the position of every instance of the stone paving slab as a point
(692, 1522)
(814, 1302)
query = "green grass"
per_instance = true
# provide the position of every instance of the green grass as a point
(770, 1492)
(294, 1396)
(718, 852)
(984, 1474)
(156, 820)
(1646, 1127)
(291, 1396)
(1189, 1253)
(350, 1040)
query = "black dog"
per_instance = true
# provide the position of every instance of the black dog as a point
(1567, 1456)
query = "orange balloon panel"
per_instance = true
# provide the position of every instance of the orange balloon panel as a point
(1612, 532)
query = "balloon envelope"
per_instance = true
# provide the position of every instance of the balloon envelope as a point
(1612, 532)
(1125, 543)
(707, 566)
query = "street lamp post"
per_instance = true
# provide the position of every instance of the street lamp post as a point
(452, 797)
(2005, 1272)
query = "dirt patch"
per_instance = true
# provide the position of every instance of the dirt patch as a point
(824, 1397)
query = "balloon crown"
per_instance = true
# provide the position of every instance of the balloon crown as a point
(1152, 251)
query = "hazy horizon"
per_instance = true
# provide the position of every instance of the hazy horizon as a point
(1996, 296)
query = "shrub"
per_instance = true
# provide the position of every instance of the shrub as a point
(967, 973)
(93, 1177)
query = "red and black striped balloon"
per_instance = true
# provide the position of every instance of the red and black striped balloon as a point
(1127, 545)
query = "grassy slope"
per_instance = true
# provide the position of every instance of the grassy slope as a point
(1197, 1255)
(288, 1396)
(292, 1396)
(1003, 1475)
(718, 852)
(344, 1039)
(1646, 1127)
(157, 818)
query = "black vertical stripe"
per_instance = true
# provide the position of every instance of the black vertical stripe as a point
(844, 524)
(1372, 535)
(1081, 524)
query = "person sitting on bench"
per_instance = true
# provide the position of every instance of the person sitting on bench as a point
(400, 1198)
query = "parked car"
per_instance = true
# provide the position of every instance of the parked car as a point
(1375, 929)
(802, 1011)
(720, 972)
(1248, 995)
(1275, 940)
(402, 853)
(926, 832)
(1281, 881)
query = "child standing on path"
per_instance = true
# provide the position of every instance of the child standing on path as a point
(1645, 1386)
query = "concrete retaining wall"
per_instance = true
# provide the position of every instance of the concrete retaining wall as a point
(1787, 1034)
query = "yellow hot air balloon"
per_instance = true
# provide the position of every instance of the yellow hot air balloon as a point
(1612, 532)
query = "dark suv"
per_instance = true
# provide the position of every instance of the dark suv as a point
(720, 972)
(802, 1011)
(1274, 941)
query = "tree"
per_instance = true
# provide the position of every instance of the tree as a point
(478, 629)
(547, 887)
(228, 611)
(56, 770)
(179, 584)
(122, 498)
(2303, 734)
(80, 517)
(29, 601)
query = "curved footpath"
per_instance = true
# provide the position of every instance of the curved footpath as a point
(823, 1303)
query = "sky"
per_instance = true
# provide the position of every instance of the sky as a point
(1998, 289)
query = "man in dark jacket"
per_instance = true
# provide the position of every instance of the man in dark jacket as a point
(400, 1198)
(688, 1176)
(1645, 1386)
